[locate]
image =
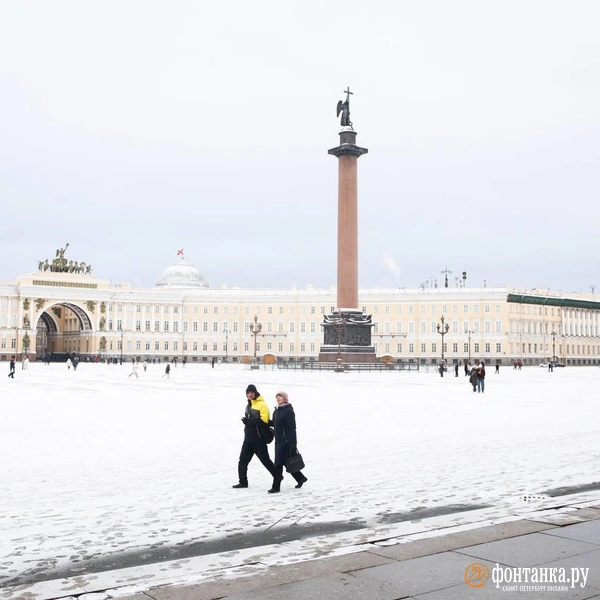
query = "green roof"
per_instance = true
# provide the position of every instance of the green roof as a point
(553, 301)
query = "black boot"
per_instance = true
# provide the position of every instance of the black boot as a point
(302, 481)
(276, 487)
(240, 485)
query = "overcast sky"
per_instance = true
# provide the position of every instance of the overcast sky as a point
(131, 129)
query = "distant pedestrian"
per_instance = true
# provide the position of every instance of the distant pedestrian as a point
(473, 378)
(466, 370)
(256, 419)
(286, 443)
(212, 362)
(481, 378)
(167, 371)
(456, 370)
(69, 364)
(11, 368)
(26, 363)
(497, 368)
(134, 370)
(145, 365)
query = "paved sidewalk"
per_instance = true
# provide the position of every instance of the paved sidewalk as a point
(433, 567)
(429, 569)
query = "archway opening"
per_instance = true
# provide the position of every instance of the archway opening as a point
(63, 330)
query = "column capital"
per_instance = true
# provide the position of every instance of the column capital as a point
(348, 150)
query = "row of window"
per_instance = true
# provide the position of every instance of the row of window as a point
(374, 309)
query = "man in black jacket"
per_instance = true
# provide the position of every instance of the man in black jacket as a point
(256, 419)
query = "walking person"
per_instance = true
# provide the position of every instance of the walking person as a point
(481, 378)
(11, 368)
(473, 378)
(69, 363)
(134, 369)
(466, 370)
(286, 443)
(26, 363)
(497, 368)
(145, 365)
(167, 371)
(456, 370)
(256, 419)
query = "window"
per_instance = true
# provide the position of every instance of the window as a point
(119, 325)
(157, 345)
(204, 346)
(476, 346)
(281, 310)
(433, 347)
(499, 348)
(185, 325)
(235, 327)
(487, 308)
(455, 347)
(487, 348)
(423, 348)
(176, 310)
(138, 326)
(205, 326)
(110, 324)
(176, 326)
(165, 310)
(215, 310)
(476, 308)
(411, 348)
(215, 327)
(235, 346)
(195, 346)
(166, 326)
(312, 328)
(269, 346)
(302, 347)
(246, 346)
(138, 345)
(312, 347)
(291, 327)
(195, 326)
(291, 346)
(269, 310)
(215, 347)
(147, 325)
(185, 346)
(156, 325)
(313, 310)
(498, 326)
(205, 311)
(147, 345)
(303, 327)
(138, 308)
(465, 308)
(399, 348)
(465, 347)
(280, 347)
(166, 345)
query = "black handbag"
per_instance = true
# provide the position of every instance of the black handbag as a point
(294, 462)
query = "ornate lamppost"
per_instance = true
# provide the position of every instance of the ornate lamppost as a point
(255, 329)
(553, 334)
(339, 326)
(121, 360)
(469, 332)
(442, 330)
(226, 332)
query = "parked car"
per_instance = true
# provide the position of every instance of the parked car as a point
(545, 365)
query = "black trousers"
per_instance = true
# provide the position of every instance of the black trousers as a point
(249, 449)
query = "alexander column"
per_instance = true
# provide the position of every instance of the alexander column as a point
(347, 332)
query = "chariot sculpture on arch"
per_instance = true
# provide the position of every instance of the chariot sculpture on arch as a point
(59, 264)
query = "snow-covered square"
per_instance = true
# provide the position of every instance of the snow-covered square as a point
(101, 470)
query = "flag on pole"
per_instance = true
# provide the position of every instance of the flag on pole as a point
(180, 253)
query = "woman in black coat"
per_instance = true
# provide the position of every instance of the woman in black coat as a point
(284, 423)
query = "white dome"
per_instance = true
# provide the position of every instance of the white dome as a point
(181, 274)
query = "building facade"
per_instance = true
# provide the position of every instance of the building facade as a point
(59, 313)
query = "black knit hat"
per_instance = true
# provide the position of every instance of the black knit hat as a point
(252, 388)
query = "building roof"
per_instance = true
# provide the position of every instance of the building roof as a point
(181, 274)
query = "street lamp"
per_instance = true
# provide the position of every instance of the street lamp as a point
(553, 345)
(442, 330)
(469, 332)
(121, 360)
(255, 329)
(339, 326)
(226, 332)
